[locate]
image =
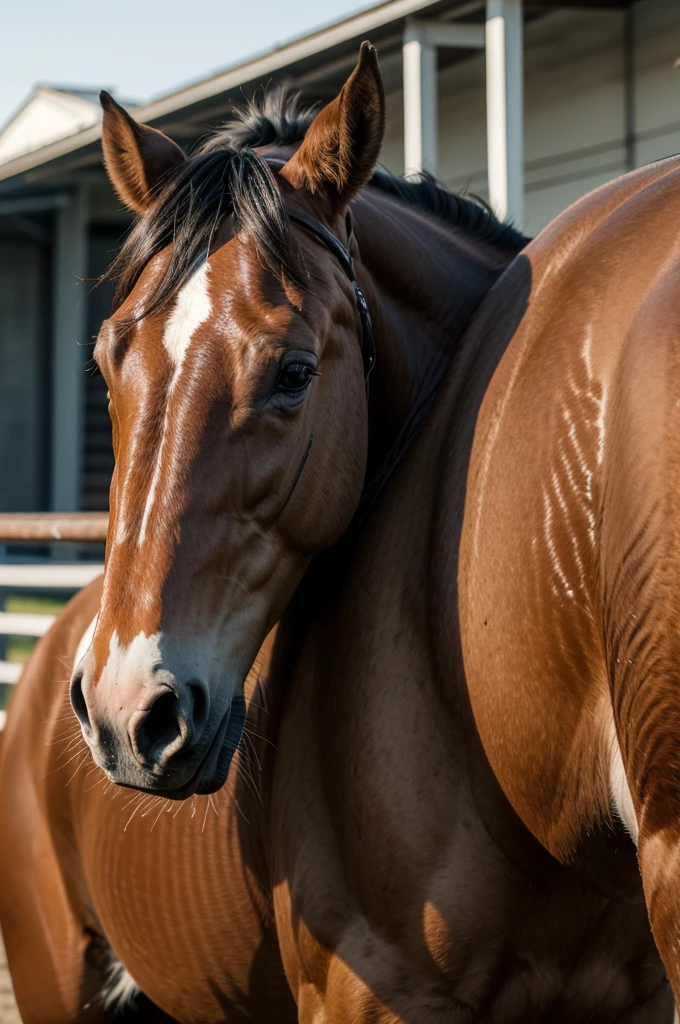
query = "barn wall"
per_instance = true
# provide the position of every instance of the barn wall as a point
(574, 106)
(24, 299)
(575, 124)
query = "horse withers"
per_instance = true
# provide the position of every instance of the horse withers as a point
(245, 441)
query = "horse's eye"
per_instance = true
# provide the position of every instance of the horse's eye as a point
(294, 377)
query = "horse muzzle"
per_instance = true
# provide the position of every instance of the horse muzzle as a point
(170, 744)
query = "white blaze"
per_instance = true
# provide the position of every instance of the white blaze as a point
(192, 308)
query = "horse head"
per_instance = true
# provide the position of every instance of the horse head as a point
(235, 362)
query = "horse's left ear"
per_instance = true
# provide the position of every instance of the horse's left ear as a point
(136, 156)
(340, 150)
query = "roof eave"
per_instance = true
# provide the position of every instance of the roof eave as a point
(357, 26)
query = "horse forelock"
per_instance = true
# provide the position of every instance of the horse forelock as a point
(190, 208)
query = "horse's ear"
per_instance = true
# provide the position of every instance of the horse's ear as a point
(341, 148)
(136, 156)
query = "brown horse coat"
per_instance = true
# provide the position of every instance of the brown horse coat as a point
(410, 881)
(569, 572)
(405, 887)
(180, 894)
(179, 891)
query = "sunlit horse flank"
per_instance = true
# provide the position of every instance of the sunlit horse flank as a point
(577, 704)
(106, 889)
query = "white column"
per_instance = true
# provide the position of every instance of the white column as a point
(420, 102)
(69, 352)
(505, 108)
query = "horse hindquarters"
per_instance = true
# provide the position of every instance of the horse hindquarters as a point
(569, 574)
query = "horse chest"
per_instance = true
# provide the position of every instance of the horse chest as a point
(469, 941)
(176, 896)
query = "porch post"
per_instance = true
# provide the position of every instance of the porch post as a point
(68, 355)
(504, 108)
(420, 102)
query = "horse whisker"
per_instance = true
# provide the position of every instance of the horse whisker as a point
(79, 766)
(135, 809)
(159, 814)
(258, 736)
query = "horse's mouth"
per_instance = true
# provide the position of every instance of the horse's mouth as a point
(213, 769)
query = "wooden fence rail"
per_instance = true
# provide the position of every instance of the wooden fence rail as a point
(53, 526)
(43, 574)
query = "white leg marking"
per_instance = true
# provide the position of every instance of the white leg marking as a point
(192, 308)
(619, 788)
(120, 989)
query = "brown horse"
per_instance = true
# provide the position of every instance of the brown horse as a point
(517, 584)
(236, 362)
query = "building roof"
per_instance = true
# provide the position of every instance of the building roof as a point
(317, 63)
(50, 113)
(319, 57)
(47, 114)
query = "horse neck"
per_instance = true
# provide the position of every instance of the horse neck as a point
(422, 278)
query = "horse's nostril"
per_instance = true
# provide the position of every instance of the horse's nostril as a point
(78, 700)
(163, 732)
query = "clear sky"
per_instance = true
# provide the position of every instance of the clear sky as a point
(142, 48)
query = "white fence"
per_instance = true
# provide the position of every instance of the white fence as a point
(56, 572)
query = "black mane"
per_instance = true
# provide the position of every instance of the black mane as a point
(224, 176)
(273, 116)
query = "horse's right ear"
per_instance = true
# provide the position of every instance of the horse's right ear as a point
(136, 157)
(340, 150)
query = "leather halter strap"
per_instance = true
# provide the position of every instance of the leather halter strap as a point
(344, 258)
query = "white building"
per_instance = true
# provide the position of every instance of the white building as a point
(531, 108)
(49, 113)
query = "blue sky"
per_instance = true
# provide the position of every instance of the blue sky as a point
(142, 48)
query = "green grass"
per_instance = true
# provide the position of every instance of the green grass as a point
(18, 648)
(31, 604)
